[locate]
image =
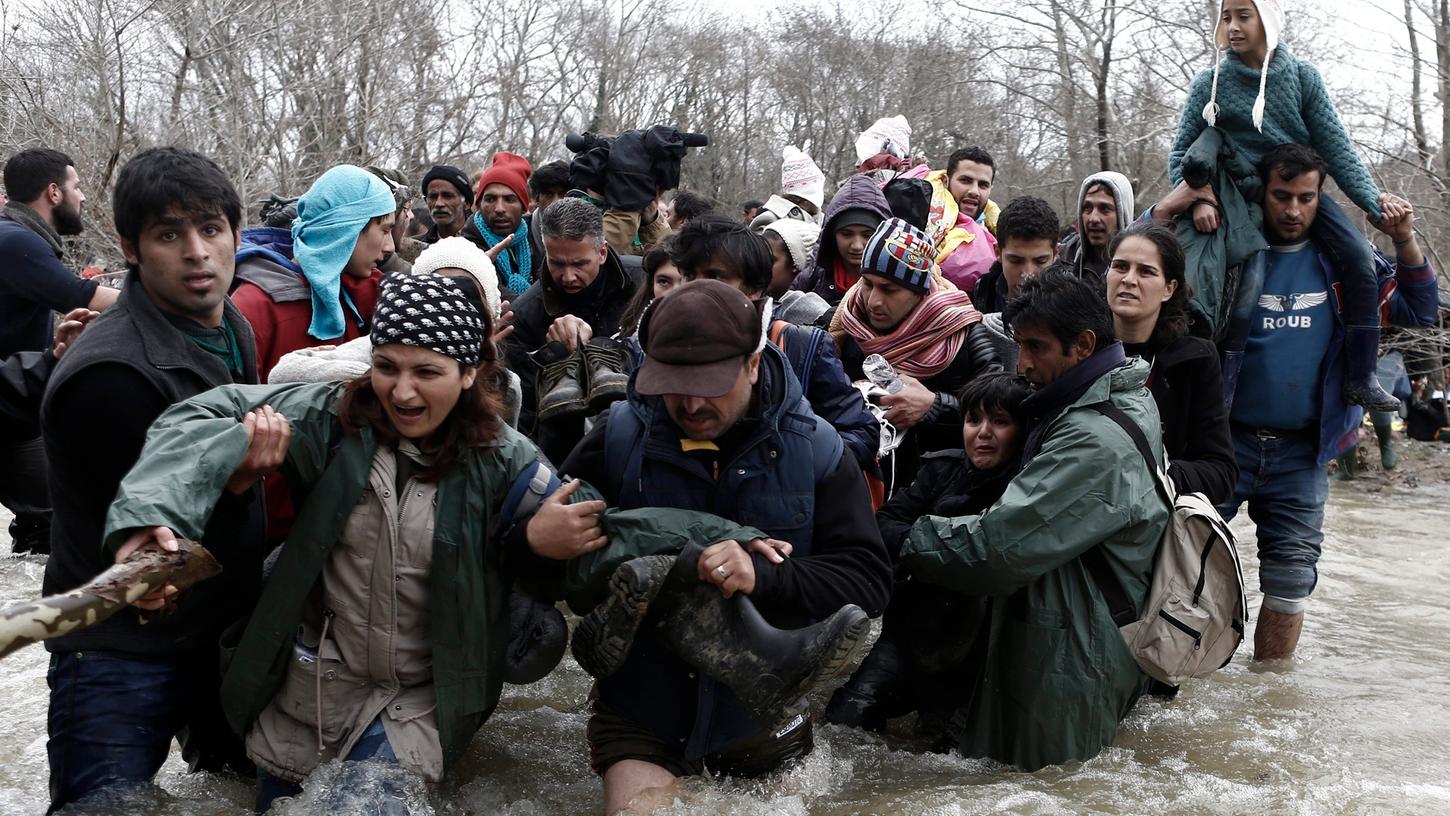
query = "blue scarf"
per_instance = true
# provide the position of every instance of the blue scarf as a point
(516, 277)
(330, 217)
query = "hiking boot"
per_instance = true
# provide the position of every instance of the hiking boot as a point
(1361, 357)
(560, 384)
(770, 670)
(1384, 434)
(603, 637)
(604, 364)
(1277, 634)
(537, 637)
(877, 692)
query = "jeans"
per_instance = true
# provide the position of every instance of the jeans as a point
(113, 715)
(1280, 478)
(373, 744)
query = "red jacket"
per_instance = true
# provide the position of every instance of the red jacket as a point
(280, 318)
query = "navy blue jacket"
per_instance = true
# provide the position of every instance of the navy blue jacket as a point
(815, 363)
(1409, 296)
(788, 465)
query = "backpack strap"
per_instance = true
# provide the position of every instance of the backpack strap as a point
(803, 359)
(1094, 560)
(533, 485)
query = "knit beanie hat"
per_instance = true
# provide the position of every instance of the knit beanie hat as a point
(509, 169)
(402, 190)
(800, 177)
(460, 253)
(1271, 16)
(330, 217)
(899, 251)
(799, 237)
(450, 174)
(431, 312)
(888, 135)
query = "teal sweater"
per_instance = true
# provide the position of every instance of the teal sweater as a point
(1297, 109)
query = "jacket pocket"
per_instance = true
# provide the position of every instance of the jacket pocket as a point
(319, 689)
(1031, 661)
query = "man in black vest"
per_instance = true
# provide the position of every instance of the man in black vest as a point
(121, 690)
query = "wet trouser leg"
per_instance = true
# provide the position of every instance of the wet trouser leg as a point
(1280, 478)
(111, 721)
(23, 477)
(373, 744)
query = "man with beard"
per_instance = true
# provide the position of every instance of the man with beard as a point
(45, 203)
(1104, 206)
(500, 201)
(448, 193)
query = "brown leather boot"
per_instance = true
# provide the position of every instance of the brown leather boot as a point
(1277, 634)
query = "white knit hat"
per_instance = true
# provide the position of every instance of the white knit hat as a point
(460, 253)
(800, 177)
(800, 239)
(1271, 17)
(888, 135)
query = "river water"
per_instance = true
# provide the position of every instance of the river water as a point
(1357, 725)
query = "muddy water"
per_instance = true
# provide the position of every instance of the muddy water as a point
(1360, 724)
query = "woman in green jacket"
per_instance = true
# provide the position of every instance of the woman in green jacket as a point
(382, 627)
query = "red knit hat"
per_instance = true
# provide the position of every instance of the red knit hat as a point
(509, 169)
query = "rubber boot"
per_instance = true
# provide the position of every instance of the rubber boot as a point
(1277, 634)
(1384, 434)
(875, 693)
(769, 669)
(30, 533)
(1361, 357)
(560, 384)
(604, 365)
(603, 637)
(538, 636)
(1348, 465)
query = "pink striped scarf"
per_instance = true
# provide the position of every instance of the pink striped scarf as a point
(927, 341)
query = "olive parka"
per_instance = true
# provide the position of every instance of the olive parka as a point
(1057, 677)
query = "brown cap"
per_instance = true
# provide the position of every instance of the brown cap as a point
(696, 339)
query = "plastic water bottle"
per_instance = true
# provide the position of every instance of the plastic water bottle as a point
(881, 374)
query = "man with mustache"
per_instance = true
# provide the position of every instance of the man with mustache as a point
(500, 203)
(45, 204)
(1283, 372)
(1104, 206)
(447, 191)
(716, 422)
(121, 690)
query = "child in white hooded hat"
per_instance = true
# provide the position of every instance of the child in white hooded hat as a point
(1261, 96)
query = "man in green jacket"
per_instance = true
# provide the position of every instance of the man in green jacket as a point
(1055, 678)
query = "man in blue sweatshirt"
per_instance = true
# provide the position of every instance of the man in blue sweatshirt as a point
(1283, 372)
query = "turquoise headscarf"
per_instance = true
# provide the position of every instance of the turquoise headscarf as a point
(330, 217)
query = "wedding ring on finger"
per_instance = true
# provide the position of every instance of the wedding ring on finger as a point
(722, 572)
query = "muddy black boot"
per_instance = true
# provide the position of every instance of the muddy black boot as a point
(769, 669)
(603, 637)
(537, 638)
(560, 384)
(604, 364)
(1361, 357)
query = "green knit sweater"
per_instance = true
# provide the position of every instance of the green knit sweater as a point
(1297, 109)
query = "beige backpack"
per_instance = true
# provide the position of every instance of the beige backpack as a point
(1193, 620)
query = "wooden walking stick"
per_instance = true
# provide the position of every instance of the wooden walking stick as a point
(118, 587)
